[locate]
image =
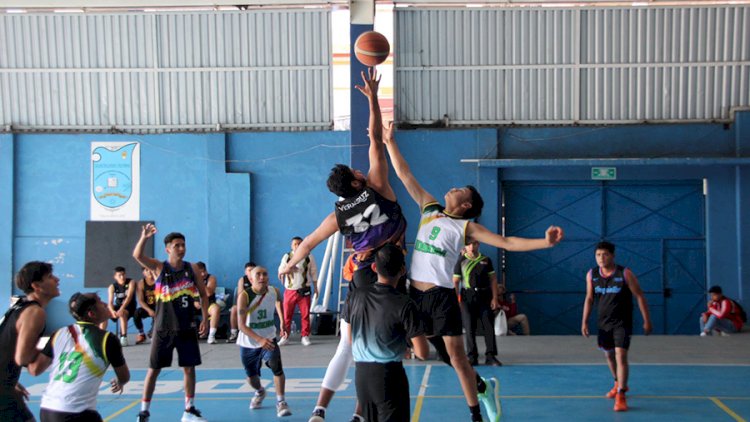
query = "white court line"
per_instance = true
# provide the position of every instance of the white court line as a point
(425, 379)
(420, 396)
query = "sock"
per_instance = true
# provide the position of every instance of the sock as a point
(233, 331)
(279, 397)
(212, 332)
(260, 391)
(189, 402)
(476, 413)
(358, 418)
(145, 404)
(321, 408)
(481, 385)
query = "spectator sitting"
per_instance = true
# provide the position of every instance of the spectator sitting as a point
(145, 293)
(511, 313)
(121, 303)
(723, 315)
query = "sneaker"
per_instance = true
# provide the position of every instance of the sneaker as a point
(143, 416)
(140, 338)
(123, 341)
(232, 338)
(211, 340)
(306, 341)
(704, 334)
(492, 361)
(490, 399)
(283, 341)
(612, 393)
(192, 415)
(257, 400)
(318, 415)
(282, 409)
(620, 404)
(723, 334)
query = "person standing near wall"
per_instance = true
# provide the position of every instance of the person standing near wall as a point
(614, 286)
(177, 287)
(298, 291)
(20, 330)
(478, 287)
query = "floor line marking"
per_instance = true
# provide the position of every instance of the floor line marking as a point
(123, 410)
(420, 396)
(726, 409)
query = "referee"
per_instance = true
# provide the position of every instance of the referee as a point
(478, 283)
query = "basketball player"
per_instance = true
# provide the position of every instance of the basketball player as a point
(443, 232)
(177, 287)
(79, 356)
(370, 217)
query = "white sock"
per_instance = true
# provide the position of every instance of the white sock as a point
(279, 397)
(189, 402)
(212, 332)
(319, 408)
(233, 331)
(358, 418)
(145, 405)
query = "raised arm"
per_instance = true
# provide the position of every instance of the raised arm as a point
(416, 191)
(326, 228)
(588, 303)
(147, 231)
(635, 288)
(377, 177)
(478, 232)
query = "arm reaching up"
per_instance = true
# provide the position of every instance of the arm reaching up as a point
(416, 191)
(478, 232)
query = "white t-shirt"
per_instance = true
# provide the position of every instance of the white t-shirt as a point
(440, 239)
(259, 317)
(306, 274)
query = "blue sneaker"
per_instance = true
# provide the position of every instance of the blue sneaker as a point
(490, 399)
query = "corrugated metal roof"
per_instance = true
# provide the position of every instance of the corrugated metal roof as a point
(267, 70)
(493, 66)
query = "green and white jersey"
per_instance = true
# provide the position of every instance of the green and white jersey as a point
(440, 238)
(79, 361)
(259, 316)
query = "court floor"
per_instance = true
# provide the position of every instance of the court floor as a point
(528, 392)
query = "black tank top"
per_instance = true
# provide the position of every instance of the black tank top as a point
(10, 372)
(247, 285)
(212, 298)
(615, 300)
(121, 292)
(175, 294)
(148, 293)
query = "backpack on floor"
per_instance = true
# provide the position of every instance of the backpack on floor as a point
(739, 311)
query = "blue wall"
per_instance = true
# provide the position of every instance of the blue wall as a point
(201, 185)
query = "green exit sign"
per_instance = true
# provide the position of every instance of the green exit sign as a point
(603, 173)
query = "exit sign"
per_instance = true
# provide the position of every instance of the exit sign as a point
(603, 173)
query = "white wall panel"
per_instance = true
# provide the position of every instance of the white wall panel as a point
(267, 70)
(492, 66)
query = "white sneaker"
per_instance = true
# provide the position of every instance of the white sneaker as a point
(257, 400)
(283, 341)
(704, 334)
(306, 341)
(282, 409)
(193, 415)
(723, 334)
(123, 341)
(211, 340)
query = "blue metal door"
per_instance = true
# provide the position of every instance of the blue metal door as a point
(658, 228)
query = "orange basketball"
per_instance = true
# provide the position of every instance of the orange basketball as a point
(371, 48)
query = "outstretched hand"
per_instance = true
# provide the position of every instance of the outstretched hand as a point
(371, 83)
(554, 235)
(388, 132)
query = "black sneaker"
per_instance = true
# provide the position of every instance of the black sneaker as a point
(318, 415)
(474, 361)
(491, 361)
(143, 416)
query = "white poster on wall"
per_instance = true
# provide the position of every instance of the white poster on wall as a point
(115, 181)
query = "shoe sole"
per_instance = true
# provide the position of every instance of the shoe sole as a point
(316, 419)
(282, 414)
(496, 391)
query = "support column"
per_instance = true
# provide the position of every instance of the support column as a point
(362, 18)
(7, 182)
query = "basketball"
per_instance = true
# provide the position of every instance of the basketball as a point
(371, 48)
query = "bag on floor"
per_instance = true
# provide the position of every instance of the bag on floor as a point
(501, 324)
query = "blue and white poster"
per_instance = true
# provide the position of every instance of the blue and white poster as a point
(115, 181)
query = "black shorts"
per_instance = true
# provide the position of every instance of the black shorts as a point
(608, 339)
(13, 407)
(383, 391)
(253, 358)
(439, 310)
(164, 343)
(47, 415)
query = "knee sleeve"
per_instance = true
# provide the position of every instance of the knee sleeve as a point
(274, 364)
(442, 351)
(341, 361)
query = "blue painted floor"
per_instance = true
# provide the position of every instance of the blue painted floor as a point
(529, 392)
